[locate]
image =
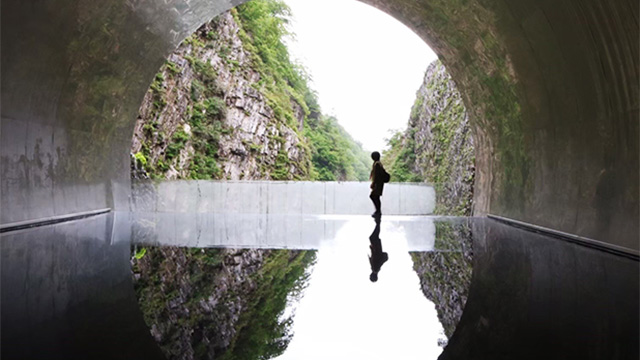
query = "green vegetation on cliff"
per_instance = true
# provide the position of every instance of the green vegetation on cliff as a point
(437, 146)
(335, 155)
(225, 93)
(262, 32)
(400, 157)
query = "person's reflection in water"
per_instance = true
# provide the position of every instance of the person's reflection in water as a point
(378, 257)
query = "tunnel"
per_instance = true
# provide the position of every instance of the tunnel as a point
(551, 88)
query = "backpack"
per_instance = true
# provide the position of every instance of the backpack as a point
(385, 175)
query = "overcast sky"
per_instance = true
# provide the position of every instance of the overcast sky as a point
(366, 66)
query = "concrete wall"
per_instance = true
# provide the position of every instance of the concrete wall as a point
(552, 88)
(279, 197)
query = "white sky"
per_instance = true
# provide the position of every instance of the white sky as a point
(366, 66)
(343, 315)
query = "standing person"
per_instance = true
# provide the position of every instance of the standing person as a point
(378, 177)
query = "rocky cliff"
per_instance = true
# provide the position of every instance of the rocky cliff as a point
(206, 115)
(229, 104)
(437, 146)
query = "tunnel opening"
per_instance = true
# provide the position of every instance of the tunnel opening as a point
(221, 107)
(227, 106)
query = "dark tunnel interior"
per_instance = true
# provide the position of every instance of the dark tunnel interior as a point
(552, 89)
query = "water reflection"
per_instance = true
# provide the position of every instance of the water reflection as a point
(219, 303)
(445, 274)
(223, 294)
(266, 231)
(67, 292)
(377, 257)
(343, 315)
(242, 303)
(534, 296)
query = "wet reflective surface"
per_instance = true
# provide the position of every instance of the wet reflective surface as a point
(263, 231)
(364, 300)
(67, 293)
(535, 297)
(529, 296)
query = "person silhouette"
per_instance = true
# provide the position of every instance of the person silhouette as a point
(377, 183)
(378, 257)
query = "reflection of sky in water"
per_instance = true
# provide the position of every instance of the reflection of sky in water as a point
(343, 315)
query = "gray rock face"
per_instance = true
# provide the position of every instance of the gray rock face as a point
(437, 146)
(214, 62)
(444, 142)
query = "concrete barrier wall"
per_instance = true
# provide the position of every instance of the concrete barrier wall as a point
(279, 197)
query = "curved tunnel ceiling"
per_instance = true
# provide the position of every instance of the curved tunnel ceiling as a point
(552, 89)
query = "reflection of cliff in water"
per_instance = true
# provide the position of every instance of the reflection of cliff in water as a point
(219, 303)
(445, 273)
